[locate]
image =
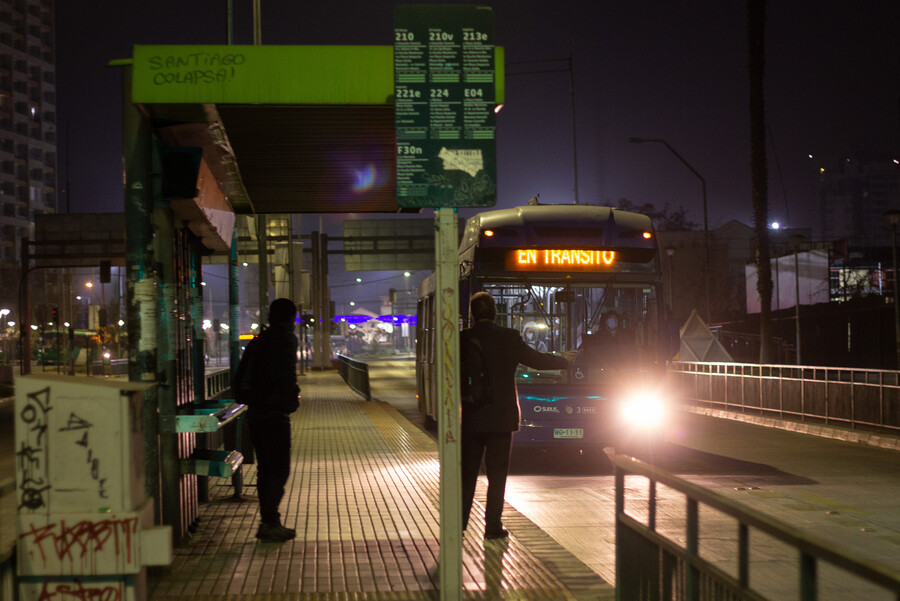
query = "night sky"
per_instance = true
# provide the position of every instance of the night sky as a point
(652, 69)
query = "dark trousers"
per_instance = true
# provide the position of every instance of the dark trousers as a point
(272, 442)
(495, 448)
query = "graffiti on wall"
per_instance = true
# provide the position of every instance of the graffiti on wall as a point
(31, 454)
(74, 590)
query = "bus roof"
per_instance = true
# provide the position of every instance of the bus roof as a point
(548, 225)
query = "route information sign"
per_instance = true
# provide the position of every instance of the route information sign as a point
(444, 98)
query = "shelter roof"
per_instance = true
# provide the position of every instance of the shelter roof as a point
(284, 129)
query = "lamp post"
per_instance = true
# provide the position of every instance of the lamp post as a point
(893, 218)
(796, 240)
(705, 216)
(571, 70)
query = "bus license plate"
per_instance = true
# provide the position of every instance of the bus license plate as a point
(568, 433)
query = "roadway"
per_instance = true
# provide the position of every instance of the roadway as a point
(845, 493)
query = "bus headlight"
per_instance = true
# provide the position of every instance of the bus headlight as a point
(644, 409)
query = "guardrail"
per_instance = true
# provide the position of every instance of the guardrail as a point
(113, 367)
(356, 375)
(652, 567)
(852, 398)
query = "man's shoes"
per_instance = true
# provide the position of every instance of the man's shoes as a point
(502, 533)
(274, 533)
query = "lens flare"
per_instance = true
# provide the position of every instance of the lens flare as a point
(364, 179)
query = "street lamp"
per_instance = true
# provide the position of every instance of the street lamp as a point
(705, 217)
(893, 218)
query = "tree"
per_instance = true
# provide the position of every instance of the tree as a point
(665, 219)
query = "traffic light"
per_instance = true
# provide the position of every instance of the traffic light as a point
(54, 314)
(105, 276)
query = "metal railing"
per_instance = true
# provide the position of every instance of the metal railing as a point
(218, 382)
(356, 375)
(652, 567)
(866, 399)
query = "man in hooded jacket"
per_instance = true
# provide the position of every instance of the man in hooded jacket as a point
(275, 395)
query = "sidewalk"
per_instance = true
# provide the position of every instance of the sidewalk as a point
(363, 498)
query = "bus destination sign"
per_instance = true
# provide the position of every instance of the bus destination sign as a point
(444, 97)
(559, 259)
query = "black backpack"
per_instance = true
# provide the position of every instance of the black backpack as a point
(250, 378)
(476, 382)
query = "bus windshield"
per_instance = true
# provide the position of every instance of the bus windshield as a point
(613, 326)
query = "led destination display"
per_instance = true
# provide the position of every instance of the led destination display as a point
(552, 259)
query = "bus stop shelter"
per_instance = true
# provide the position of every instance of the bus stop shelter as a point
(212, 132)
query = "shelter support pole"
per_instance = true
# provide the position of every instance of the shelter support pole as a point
(263, 264)
(447, 360)
(198, 348)
(141, 276)
(166, 367)
(321, 305)
(234, 315)
(234, 349)
(297, 292)
(325, 294)
(316, 304)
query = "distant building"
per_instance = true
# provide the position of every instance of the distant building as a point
(682, 255)
(28, 155)
(854, 194)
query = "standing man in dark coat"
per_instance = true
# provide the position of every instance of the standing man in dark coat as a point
(274, 396)
(487, 426)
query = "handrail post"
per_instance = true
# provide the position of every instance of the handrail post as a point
(692, 534)
(808, 590)
(744, 555)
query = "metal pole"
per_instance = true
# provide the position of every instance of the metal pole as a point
(24, 312)
(141, 278)
(574, 144)
(167, 299)
(896, 293)
(229, 22)
(893, 218)
(326, 302)
(797, 302)
(706, 263)
(198, 348)
(234, 313)
(263, 268)
(257, 23)
(705, 213)
(318, 315)
(447, 309)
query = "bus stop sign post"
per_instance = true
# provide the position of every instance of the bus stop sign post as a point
(444, 97)
(447, 358)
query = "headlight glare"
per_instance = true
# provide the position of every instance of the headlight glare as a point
(643, 409)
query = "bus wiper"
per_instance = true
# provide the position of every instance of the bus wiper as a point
(596, 317)
(540, 306)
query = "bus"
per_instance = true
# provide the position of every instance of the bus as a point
(568, 278)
